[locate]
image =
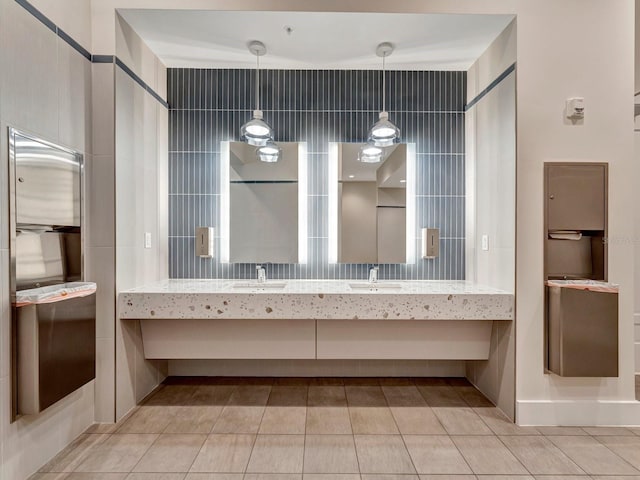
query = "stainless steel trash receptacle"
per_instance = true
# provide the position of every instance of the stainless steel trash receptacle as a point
(56, 343)
(583, 328)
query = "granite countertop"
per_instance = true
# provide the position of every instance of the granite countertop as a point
(316, 300)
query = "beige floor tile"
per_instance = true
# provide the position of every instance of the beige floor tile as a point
(403, 396)
(500, 424)
(608, 431)
(101, 428)
(441, 396)
(362, 381)
(148, 419)
(447, 477)
(563, 477)
(277, 454)
(505, 477)
(568, 431)
(327, 396)
(626, 447)
(118, 453)
(214, 476)
(171, 452)
(435, 454)
(69, 458)
(234, 419)
(372, 421)
(593, 457)
(328, 420)
(250, 395)
(212, 395)
(94, 476)
(330, 454)
(194, 419)
(224, 454)
(417, 421)
(391, 476)
(488, 456)
(383, 454)
(273, 476)
(473, 397)
(333, 476)
(326, 381)
(615, 477)
(284, 420)
(540, 456)
(58, 476)
(365, 396)
(156, 476)
(288, 396)
(292, 381)
(461, 421)
(172, 395)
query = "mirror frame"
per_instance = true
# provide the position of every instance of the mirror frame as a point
(333, 180)
(225, 203)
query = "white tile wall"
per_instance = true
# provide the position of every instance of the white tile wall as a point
(74, 85)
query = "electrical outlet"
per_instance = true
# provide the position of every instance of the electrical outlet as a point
(147, 240)
(485, 242)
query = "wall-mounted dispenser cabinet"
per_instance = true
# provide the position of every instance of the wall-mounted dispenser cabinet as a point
(581, 324)
(53, 345)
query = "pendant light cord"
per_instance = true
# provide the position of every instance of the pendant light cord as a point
(384, 83)
(257, 82)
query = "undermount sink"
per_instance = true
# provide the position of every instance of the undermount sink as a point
(270, 285)
(375, 286)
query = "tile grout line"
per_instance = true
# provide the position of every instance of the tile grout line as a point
(619, 456)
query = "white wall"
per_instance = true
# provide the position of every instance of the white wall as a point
(553, 64)
(141, 182)
(491, 210)
(45, 89)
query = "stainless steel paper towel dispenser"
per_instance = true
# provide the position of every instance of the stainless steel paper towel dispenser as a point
(53, 345)
(581, 324)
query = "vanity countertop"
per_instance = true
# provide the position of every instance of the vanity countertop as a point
(316, 300)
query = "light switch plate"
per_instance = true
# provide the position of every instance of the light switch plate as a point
(485, 242)
(147, 240)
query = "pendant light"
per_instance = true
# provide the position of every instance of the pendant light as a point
(369, 153)
(269, 153)
(384, 133)
(256, 131)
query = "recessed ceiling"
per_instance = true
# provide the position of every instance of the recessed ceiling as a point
(215, 39)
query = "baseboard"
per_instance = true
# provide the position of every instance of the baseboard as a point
(318, 368)
(577, 413)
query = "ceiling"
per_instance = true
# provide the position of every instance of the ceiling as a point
(319, 40)
(352, 170)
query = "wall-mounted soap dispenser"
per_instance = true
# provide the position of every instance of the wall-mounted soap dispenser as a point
(581, 322)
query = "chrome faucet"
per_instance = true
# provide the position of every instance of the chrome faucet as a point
(373, 274)
(262, 274)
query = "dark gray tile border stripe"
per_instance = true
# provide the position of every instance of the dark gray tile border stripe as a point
(75, 45)
(84, 52)
(102, 58)
(38, 14)
(140, 82)
(491, 86)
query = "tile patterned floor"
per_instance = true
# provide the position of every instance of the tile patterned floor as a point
(336, 429)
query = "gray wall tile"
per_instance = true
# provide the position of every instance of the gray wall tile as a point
(318, 107)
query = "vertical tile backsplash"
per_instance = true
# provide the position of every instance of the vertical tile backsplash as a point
(318, 107)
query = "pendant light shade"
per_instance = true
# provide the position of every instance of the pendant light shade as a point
(369, 153)
(269, 153)
(256, 131)
(384, 133)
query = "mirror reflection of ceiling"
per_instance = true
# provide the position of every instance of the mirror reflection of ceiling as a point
(393, 166)
(318, 40)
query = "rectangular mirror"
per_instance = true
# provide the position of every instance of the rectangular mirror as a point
(372, 206)
(264, 222)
